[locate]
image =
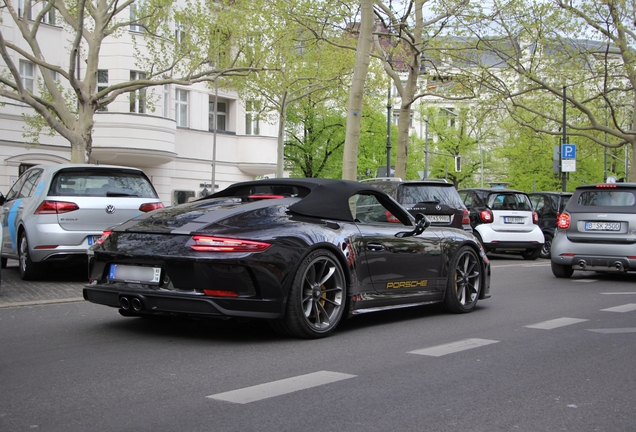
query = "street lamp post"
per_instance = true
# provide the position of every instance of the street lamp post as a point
(425, 148)
(388, 132)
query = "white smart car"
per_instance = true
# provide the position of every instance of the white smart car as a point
(503, 221)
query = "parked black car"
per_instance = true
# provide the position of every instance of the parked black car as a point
(435, 198)
(300, 253)
(548, 205)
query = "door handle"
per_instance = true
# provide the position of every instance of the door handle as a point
(375, 247)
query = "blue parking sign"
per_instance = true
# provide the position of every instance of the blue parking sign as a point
(568, 151)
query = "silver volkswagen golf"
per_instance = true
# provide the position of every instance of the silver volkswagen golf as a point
(53, 213)
(597, 230)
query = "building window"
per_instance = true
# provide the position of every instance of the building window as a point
(179, 32)
(137, 97)
(252, 126)
(166, 100)
(102, 83)
(49, 17)
(27, 73)
(182, 196)
(24, 9)
(221, 116)
(181, 107)
(134, 15)
(451, 114)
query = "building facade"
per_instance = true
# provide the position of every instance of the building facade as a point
(185, 138)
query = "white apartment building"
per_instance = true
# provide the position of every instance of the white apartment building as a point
(174, 133)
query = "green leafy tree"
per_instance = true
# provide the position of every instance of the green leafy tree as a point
(296, 65)
(534, 54)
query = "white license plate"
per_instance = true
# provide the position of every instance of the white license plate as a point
(513, 220)
(602, 226)
(439, 218)
(135, 274)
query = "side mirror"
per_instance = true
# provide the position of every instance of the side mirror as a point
(421, 223)
(2, 199)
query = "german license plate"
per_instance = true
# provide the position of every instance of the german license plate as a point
(93, 240)
(135, 274)
(513, 220)
(602, 226)
(439, 218)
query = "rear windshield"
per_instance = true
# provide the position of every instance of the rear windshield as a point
(606, 198)
(414, 194)
(509, 201)
(101, 183)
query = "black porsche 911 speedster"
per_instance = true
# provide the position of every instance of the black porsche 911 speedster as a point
(300, 253)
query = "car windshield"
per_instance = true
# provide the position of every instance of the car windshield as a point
(93, 183)
(611, 198)
(509, 201)
(413, 194)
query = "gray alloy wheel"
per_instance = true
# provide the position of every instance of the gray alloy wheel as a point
(547, 247)
(561, 271)
(28, 269)
(317, 298)
(464, 281)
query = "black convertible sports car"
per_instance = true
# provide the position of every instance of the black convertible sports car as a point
(301, 253)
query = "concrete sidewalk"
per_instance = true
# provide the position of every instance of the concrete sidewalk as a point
(62, 285)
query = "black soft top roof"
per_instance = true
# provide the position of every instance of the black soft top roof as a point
(321, 198)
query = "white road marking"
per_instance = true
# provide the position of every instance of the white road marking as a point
(585, 280)
(555, 323)
(440, 350)
(631, 307)
(614, 330)
(619, 293)
(281, 387)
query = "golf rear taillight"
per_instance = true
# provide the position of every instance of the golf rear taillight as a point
(222, 244)
(148, 207)
(466, 218)
(56, 207)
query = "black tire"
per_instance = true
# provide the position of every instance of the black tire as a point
(28, 269)
(531, 254)
(547, 247)
(561, 271)
(317, 297)
(3, 262)
(464, 281)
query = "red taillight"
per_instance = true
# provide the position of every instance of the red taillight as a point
(56, 207)
(391, 218)
(104, 236)
(485, 216)
(563, 221)
(466, 218)
(535, 218)
(220, 244)
(606, 185)
(219, 293)
(148, 207)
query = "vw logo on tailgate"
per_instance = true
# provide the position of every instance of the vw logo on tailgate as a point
(110, 209)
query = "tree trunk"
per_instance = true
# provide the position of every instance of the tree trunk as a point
(354, 111)
(280, 157)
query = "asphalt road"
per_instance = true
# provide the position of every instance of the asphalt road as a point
(543, 354)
